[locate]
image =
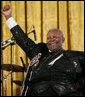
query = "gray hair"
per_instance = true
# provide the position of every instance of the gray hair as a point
(55, 29)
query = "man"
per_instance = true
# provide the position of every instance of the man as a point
(58, 70)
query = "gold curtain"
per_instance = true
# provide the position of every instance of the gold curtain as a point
(68, 16)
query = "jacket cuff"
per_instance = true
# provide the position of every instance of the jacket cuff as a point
(11, 22)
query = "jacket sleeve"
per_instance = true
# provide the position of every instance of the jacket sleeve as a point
(29, 46)
(80, 76)
(81, 80)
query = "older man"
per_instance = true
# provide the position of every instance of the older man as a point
(57, 70)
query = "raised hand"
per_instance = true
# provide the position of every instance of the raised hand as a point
(7, 11)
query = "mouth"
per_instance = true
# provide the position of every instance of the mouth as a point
(51, 43)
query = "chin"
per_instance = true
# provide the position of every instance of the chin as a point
(53, 50)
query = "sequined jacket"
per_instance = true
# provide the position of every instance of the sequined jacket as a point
(70, 67)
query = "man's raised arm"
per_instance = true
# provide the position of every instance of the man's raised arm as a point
(21, 38)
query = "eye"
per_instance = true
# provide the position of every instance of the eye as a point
(52, 37)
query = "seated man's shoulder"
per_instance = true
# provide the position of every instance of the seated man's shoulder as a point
(43, 46)
(74, 53)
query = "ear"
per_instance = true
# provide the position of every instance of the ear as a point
(63, 39)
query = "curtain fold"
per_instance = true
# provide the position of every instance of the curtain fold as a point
(68, 16)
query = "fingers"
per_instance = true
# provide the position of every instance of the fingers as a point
(7, 7)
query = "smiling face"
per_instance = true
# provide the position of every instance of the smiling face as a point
(55, 40)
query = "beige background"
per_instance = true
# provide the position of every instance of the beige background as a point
(68, 16)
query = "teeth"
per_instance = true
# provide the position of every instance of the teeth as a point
(52, 43)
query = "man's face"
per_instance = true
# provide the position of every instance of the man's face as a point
(54, 40)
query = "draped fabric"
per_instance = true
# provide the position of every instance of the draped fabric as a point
(67, 16)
